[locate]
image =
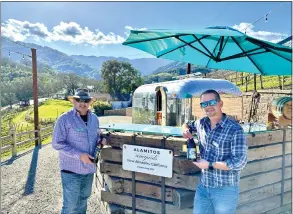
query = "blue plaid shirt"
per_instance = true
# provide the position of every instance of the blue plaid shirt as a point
(225, 143)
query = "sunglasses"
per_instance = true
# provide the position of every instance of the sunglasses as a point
(209, 103)
(82, 100)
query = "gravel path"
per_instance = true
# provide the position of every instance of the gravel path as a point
(31, 184)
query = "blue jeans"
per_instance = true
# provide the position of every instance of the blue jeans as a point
(76, 190)
(221, 200)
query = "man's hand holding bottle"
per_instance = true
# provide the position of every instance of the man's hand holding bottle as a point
(187, 134)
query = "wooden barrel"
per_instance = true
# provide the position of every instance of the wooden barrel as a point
(282, 106)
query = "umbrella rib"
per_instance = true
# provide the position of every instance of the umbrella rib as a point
(157, 38)
(177, 37)
(272, 51)
(269, 48)
(247, 55)
(182, 46)
(202, 43)
(223, 49)
(221, 46)
(263, 44)
(213, 52)
(280, 55)
(239, 55)
(174, 49)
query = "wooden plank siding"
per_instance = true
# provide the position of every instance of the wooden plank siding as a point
(260, 183)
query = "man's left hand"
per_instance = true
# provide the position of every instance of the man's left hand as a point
(104, 141)
(202, 164)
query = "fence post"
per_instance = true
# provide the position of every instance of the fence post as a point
(260, 78)
(280, 82)
(13, 140)
(246, 82)
(254, 81)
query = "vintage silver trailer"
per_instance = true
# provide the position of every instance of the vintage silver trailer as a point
(170, 103)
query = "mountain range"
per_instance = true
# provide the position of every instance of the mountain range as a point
(146, 66)
(88, 66)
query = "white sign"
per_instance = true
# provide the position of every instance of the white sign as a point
(148, 160)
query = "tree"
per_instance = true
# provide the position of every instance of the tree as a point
(161, 77)
(70, 81)
(24, 89)
(120, 77)
(48, 85)
(8, 93)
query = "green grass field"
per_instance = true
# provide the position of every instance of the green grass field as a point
(21, 122)
(47, 110)
(53, 108)
(269, 82)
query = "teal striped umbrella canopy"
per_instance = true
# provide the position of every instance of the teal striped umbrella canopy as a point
(216, 48)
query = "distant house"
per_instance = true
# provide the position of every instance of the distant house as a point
(24, 103)
(101, 96)
(62, 94)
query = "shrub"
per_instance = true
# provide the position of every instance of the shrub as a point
(99, 107)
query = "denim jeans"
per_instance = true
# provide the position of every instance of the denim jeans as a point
(76, 190)
(221, 200)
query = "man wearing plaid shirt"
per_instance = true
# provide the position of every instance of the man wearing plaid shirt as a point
(76, 136)
(223, 151)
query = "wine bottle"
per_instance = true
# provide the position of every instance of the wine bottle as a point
(191, 149)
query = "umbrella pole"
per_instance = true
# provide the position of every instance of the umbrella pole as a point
(188, 70)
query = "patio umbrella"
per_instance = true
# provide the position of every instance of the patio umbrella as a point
(216, 48)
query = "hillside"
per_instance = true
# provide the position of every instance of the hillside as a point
(145, 65)
(86, 66)
(179, 68)
(49, 57)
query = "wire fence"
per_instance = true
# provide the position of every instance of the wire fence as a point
(249, 82)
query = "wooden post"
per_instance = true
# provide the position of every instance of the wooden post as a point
(20, 137)
(35, 93)
(242, 77)
(283, 81)
(254, 81)
(13, 140)
(280, 82)
(246, 82)
(260, 78)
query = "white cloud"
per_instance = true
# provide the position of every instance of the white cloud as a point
(263, 35)
(73, 33)
(66, 31)
(19, 31)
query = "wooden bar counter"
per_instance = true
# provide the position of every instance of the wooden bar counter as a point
(265, 185)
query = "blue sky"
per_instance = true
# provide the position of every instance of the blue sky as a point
(99, 28)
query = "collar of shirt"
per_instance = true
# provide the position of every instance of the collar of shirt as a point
(221, 122)
(77, 113)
